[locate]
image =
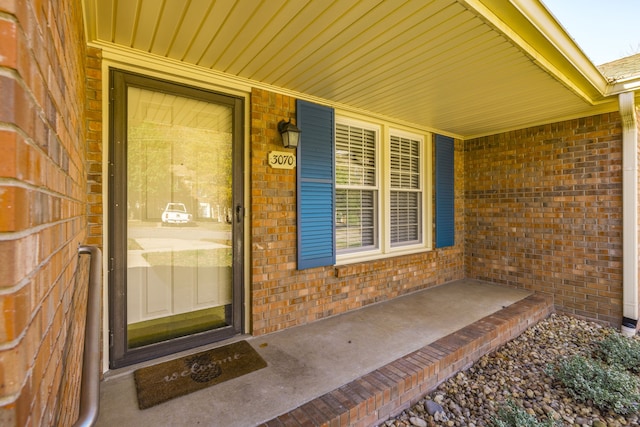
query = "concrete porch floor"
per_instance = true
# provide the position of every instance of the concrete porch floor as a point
(351, 369)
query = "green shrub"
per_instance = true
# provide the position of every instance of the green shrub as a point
(607, 387)
(511, 415)
(616, 349)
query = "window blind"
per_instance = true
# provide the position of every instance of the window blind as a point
(356, 191)
(406, 192)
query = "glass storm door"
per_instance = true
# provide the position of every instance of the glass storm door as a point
(176, 215)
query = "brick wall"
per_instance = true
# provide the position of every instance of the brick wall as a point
(94, 146)
(42, 199)
(543, 211)
(283, 296)
(69, 393)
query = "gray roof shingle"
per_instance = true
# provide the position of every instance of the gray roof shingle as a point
(621, 68)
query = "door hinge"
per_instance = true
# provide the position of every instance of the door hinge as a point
(110, 339)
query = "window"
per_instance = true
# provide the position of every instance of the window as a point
(356, 188)
(368, 207)
(405, 190)
(374, 197)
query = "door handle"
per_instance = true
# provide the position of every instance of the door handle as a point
(238, 213)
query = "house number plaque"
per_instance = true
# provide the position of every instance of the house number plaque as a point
(282, 160)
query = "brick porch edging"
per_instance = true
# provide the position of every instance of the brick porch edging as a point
(387, 391)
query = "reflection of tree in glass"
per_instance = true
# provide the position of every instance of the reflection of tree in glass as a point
(174, 163)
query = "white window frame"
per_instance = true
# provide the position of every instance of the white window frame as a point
(384, 248)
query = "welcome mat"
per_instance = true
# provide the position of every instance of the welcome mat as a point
(162, 382)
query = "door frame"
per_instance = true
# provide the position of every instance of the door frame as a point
(118, 82)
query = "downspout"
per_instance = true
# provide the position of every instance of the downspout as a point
(629, 213)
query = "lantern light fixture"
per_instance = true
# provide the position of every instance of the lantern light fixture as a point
(290, 134)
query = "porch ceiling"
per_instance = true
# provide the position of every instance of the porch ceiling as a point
(466, 67)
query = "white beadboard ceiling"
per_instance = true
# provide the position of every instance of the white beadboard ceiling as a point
(465, 67)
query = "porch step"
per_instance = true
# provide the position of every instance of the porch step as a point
(387, 391)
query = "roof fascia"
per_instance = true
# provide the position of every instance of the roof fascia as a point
(631, 84)
(534, 30)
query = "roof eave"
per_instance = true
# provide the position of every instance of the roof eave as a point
(530, 26)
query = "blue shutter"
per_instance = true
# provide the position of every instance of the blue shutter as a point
(316, 188)
(445, 194)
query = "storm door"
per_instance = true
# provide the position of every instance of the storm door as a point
(176, 217)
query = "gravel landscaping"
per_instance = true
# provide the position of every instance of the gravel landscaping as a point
(519, 374)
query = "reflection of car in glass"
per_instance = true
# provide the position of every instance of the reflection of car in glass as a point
(176, 213)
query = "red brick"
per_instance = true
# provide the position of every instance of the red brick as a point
(301, 416)
(9, 154)
(312, 412)
(9, 45)
(288, 420)
(16, 313)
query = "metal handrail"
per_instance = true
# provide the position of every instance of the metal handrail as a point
(90, 382)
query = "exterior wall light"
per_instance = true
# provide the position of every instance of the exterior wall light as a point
(290, 134)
